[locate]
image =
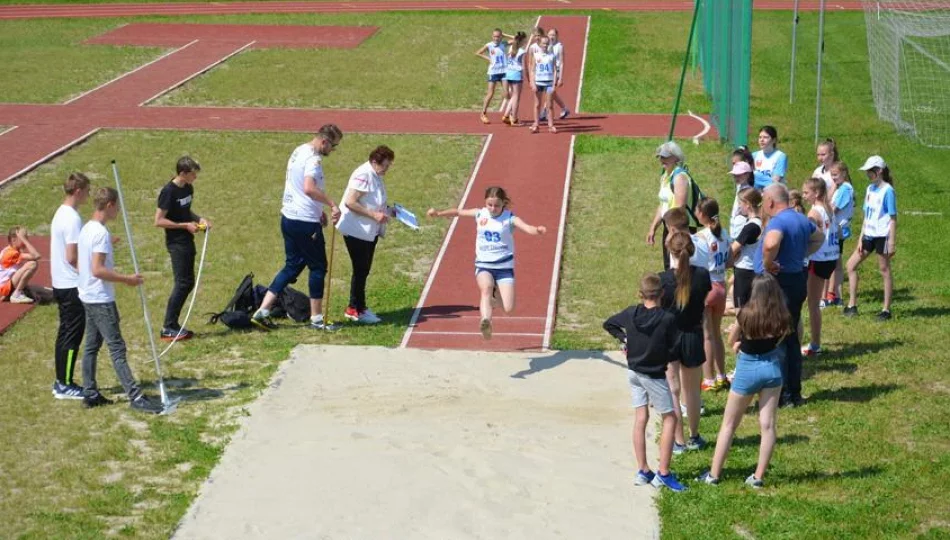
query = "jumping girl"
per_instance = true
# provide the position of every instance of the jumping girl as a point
(717, 247)
(513, 79)
(827, 154)
(494, 251)
(685, 288)
(542, 79)
(821, 263)
(763, 322)
(557, 48)
(878, 234)
(494, 53)
(771, 164)
(843, 205)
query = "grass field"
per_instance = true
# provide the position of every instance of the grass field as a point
(74, 473)
(868, 456)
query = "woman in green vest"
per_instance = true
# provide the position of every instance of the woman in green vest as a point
(676, 189)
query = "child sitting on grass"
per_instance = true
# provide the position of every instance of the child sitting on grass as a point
(17, 267)
(649, 335)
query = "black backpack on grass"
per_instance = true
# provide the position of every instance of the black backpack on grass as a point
(244, 302)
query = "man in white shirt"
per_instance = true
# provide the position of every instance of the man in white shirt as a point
(97, 292)
(301, 224)
(64, 254)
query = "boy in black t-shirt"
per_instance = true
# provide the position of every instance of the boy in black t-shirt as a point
(650, 335)
(174, 214)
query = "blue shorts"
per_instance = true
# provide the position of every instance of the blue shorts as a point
(547, 88)
(513, 76)
(496, 77)
(500, 275)
(755, 372)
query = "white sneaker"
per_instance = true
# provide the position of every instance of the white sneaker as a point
(368, 317)
(20, 299)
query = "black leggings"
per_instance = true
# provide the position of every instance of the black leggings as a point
(72, 325)
(361, 255)
(742, 287)
(183, 267)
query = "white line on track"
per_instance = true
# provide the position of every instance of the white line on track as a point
(705, 124)
(556, 272)
(195, 74)
(56, 152)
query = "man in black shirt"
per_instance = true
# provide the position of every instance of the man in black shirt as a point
(180, 223)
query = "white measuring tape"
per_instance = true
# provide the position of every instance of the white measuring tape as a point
(194, 295)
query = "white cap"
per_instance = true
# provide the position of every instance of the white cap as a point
(670, 148)
(873, 162)
(740, 167)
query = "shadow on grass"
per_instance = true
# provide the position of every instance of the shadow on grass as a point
(753, 440)
(854, 394)
(185, 388)
(928, 312)
(553, 360)
(901, 294)
(812, 368)
(856, 349)
(819, 476)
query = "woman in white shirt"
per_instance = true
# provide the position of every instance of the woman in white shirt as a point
(363, 219)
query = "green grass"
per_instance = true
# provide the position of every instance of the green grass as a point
(868, 456)
(67, 472)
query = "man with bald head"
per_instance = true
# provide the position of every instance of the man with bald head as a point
(789, 237)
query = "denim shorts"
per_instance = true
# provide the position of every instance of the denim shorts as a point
(755, 372)
(496, 77)
(500, 275)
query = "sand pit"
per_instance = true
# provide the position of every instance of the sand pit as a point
(353, 442)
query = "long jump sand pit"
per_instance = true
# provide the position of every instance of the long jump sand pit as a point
(355, 442)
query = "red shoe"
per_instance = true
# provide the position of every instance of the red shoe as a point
(351, 313)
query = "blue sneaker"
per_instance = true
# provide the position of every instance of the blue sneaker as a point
(644, 478)
(696, 443)
(678, 448)
(754, 482)
(707, 478)
(668, 481)
(564, 114)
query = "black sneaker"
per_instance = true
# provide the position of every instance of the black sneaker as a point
(798, 401)
(262, 321)
(884, 315)
(176, 334)
(95, 399)
(851, 311)
(146, 404)
(66, 391)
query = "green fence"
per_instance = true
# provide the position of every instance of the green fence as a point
(723, 31)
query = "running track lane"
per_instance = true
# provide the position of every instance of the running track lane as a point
(227, 8)
(532, 169)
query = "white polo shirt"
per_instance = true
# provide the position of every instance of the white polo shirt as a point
(304, 161)
(64, 230)
(373, 197)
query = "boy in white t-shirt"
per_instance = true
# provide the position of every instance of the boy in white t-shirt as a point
(64, 259)
(97, 293)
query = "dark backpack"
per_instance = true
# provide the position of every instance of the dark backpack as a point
(695, 197)
(295, 304)
(244, 302)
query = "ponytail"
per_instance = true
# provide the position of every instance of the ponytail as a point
(710, 209)
(886, 176)
(681, 247)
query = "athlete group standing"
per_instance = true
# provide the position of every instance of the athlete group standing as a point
(782, 255)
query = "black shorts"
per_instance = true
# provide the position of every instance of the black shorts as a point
(742, 286)
(691, 351)
(874, 243)
(822, 269)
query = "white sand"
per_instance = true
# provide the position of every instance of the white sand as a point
(352, 442)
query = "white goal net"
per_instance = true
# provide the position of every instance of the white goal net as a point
(909, 49)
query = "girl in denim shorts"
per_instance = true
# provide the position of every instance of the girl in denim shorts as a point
(763, 322)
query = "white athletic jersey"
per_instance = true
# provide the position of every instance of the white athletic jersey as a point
(829, 250)
(94, 238)
(746, 258)
(64, 230)
(494, 240)
(305, 161)
(825, 174)
(544, 67)
(700, 256)
(717, 254)
(879, 205)
(496, 55)
(535, 48)
(558, 51)
(516, 62)
(774, 164)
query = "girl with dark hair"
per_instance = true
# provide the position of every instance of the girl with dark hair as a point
(685, 288)
(771, 163)
(878, 234)
(713, 241)
(494, 251)
(763, 322)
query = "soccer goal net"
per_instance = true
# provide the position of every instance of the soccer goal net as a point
(909, 48)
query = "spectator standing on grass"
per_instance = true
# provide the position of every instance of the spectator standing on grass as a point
(843, 205)
(716, 246)
(745, 242)
(64, 260)
(97, 293)
(676, 191)
(649, 336)
(18, 264)
(771, 164)
(174, 214)
(363, 219)
(822, 263)
(827, 155)
(301, 225)
(878, 234)
(789, 238)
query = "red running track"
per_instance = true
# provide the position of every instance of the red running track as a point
(11, 313)
(226, 8)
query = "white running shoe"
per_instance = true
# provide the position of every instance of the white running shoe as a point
(368, 317)
(20, 299)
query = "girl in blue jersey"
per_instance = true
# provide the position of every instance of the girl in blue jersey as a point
(771, 163)
(543, 75)
(842, 202)
(494, 251)
(513, 78)
(878, 234)
(494, 53)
